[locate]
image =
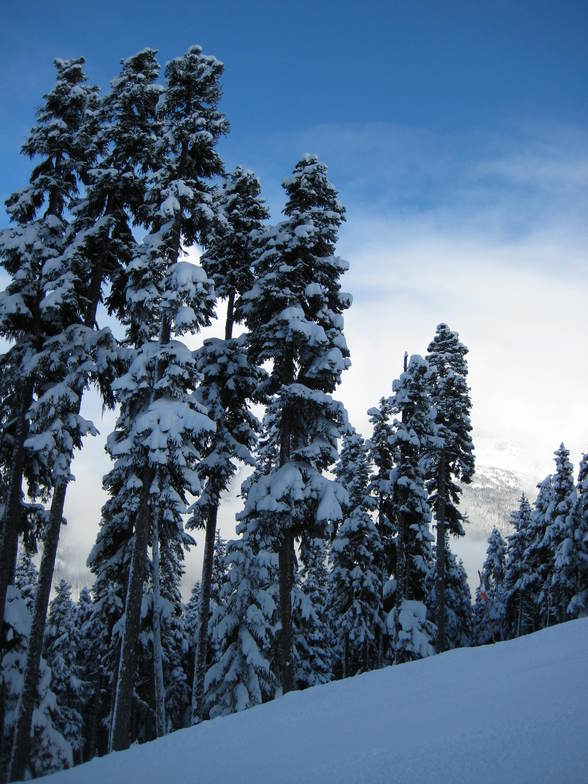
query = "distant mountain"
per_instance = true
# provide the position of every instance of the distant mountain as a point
(491, 497)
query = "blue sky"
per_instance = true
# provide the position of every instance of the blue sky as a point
(457, 135)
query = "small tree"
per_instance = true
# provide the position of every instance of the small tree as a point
(517, 600)
(490, 606)
(356, 580)
(578, 606)
(61, 653)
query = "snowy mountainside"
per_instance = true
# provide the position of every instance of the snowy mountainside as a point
(491, 497)
(511, 712)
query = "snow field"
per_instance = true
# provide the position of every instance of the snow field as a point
(515, 712)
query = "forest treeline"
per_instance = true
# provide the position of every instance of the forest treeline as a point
(342, 560)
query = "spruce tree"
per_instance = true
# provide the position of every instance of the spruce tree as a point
(355, 579)
(578, 606)
(537, 561)
(61, 653)
(412, 437)
(242, 677)
(453, 458)
(50, 751)
(294, 313)
(70, 353)
(517, 600)
(490, 606)
(156, 444)
(313, 635)
(560, 536)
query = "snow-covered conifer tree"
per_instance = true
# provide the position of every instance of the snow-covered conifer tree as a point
(538, 561)
(412, 437)
(313, 636)
(37, 301)
(560, 536)
(381, 457)
(454, 459)
(61, 653)
(458, 606)
(490, 605)
(156, 443)
(578, 606)
(517, 600)
(356, 579)
(294, 313)
(242, 677)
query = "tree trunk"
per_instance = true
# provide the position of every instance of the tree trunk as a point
(230, 315)
(202, 642)
(22, 733)
(13, 510)
(157, 653)
(285, 586)
(441, 556)
(123, 701)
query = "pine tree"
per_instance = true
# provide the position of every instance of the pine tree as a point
(412, 437)
(381, 457)
(294, 313)
(313, 636)
(242, 677)
(356, 580)
(560, 535)
(158, 448)
(26, 579)
(61, 653)
(89, 636)
(517, 601)
(459, 620)
(537, 561)
(37, 301)
(578, 606)
(228, 382)
(490, 606)
(453, 458)
(70, 353)
(49, 749)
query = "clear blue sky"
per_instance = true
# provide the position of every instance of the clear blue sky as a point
(461, 70)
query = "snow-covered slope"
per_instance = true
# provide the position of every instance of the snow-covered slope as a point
(512, 712)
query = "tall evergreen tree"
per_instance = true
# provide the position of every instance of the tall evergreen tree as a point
(69, 354)
(294, 313)
(165, 294)
(453, 459)
(413, 435)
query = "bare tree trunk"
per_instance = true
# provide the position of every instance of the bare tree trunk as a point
(123, 701)
(441, 556)
(202, 642)
(157, 653)
(22, 733)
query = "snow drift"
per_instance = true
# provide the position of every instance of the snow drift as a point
(512, 712)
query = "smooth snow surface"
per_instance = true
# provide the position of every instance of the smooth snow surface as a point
(512, 712)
